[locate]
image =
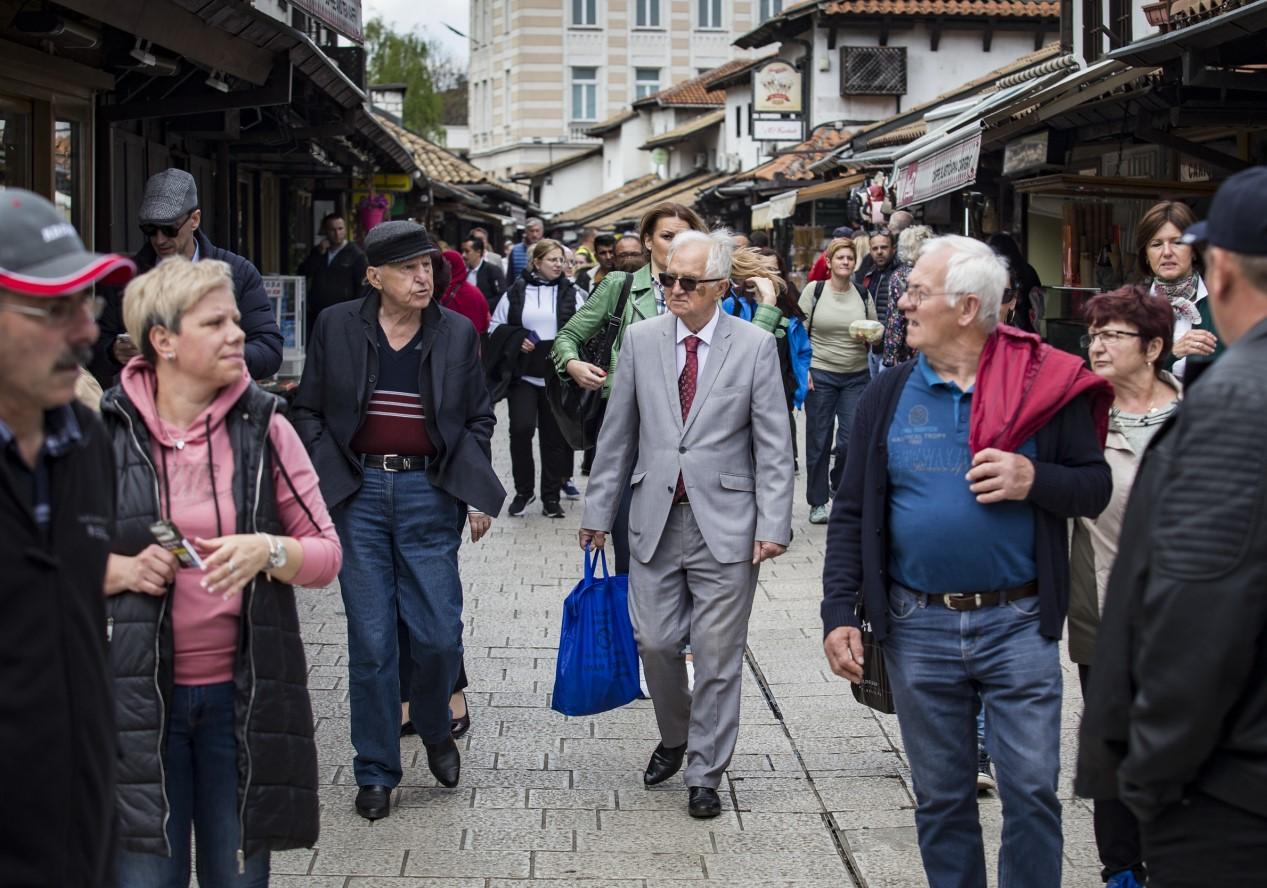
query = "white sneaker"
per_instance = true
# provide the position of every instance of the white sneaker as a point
(819, 515)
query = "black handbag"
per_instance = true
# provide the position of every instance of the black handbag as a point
(874, 691)
(579, 411)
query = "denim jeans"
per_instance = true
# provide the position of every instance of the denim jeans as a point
(830, 404)
(201, 767)
(400, 539)
(939, 661)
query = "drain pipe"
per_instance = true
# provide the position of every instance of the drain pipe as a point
(807, 82)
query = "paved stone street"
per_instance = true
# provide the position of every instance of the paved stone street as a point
(818, 795)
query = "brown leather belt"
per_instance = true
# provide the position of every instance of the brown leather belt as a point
(392, 462)
(970, 601)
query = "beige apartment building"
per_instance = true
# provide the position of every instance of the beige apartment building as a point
(543, 71)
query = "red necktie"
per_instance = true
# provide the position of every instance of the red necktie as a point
(686, 393)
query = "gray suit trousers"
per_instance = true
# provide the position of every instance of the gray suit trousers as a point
(684, 594)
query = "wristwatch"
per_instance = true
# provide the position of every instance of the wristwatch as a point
(276, 553)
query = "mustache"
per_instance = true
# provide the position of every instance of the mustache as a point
(76, 356)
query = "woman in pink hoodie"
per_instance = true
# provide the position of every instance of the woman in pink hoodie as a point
(219, 516)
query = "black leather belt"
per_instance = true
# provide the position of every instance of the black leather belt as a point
(970, 601)
(391, 462)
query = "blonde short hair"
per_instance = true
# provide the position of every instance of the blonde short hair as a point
(841, 243)
(748, 263)
(160, 297)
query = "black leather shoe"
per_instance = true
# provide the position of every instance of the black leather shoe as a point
(665, 762)
(703, 802)
(374, 802)
(444, 761)
(460, 725)
(407, 729)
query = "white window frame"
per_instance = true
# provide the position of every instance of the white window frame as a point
(648, 15)
(710, 15)
(640, 82)
(582, 13)
(768, 9)
(578, 114)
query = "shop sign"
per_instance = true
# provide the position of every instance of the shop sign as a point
(1194, 171)
(776, 88)
(343, 16)
(780, 130)
(1025, 153)
(393, 182)
(949, 169)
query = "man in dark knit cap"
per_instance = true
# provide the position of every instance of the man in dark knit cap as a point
(395, 412)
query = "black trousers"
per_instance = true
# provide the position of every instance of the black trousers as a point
(1202, 842)
(530, 413)
(1116, 829)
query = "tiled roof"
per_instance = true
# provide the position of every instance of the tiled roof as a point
(727, 75)
(686, 130)
(684, 190)
(545, 168)
(793, 164)
(694, 91)
(436, 162)
(993, 8)
(611, 123)
(608, 200)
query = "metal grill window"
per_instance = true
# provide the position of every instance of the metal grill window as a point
(873, 70)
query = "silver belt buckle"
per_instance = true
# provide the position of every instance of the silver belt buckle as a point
(387, 458)
(959, 597)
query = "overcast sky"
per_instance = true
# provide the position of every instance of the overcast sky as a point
(410, 14)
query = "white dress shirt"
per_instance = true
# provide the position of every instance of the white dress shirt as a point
(701, 352)
(473, 275)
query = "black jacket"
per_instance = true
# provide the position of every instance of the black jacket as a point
(332, 282)
(1071, 479)
(263, 337)
(504, 360)
(277, 755)
(57, 737)
(339, 376)
(1178, 694)
(491, 281)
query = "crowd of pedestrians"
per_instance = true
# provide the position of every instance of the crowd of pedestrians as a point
(983, 494)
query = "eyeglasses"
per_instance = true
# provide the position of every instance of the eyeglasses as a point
(1109, 337)
(168, 230)
(688, 283)
(918, 296)
(62, 313)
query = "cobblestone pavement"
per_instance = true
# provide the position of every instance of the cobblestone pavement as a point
(818, 795)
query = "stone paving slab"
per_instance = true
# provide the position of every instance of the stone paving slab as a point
(548, 801)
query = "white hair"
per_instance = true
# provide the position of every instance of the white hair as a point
(721, 249)
(533, 220)
(972, 268)
(911, 241)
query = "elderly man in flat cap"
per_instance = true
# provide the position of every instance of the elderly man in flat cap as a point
(171, 222)
(395, 412)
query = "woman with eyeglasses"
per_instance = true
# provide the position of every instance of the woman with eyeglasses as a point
(838, 371)
(1172, 270)
(535, 307)
(1128, 339)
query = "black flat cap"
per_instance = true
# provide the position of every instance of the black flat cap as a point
(398, 241)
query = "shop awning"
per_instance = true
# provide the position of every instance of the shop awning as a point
(683, 191)
(781, 206)
(834, 189)
(1249, 21)
(1062, 185)
(947, 167)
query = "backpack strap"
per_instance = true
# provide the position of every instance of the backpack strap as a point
(813, 307)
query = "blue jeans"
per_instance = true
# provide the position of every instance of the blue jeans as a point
(830, 404)
(201, 767)
(400, 539)
(939, 661)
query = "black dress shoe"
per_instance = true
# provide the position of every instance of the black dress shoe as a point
(374, 802)
(444, 761)
(407, 729)
(665, 762)
(703, 802)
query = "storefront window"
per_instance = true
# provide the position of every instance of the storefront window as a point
(67, 179)
(15, 144)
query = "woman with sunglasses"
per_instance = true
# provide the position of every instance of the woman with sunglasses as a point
(838, 372)
(1128, 340)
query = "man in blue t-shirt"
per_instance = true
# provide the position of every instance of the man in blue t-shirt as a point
(534, 230)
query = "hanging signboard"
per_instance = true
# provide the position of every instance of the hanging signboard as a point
(776, 88)
(780, 130)
(1025, 153)
(951, 168)
(343, 16)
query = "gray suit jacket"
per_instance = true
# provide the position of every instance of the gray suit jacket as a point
(738, 422)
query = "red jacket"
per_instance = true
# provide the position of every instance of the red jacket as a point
(820, 272)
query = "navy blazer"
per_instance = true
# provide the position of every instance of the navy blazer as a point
(1071, 479)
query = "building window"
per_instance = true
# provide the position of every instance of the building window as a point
(646, 82)
(584, 94)
(648, 14)
(768, 9)
(584, 13)
(710, 14)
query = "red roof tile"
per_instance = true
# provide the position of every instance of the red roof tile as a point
(1000, 8)
(695, 91)
(794, 163)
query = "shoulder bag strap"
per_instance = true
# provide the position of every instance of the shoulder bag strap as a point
(615, 321)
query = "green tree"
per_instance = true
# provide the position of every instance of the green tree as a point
(422, 65)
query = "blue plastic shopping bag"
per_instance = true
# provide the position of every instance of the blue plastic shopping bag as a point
(597, 669)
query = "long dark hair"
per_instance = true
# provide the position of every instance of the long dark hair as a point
(787, 302)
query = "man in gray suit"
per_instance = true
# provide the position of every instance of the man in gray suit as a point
(699, 405)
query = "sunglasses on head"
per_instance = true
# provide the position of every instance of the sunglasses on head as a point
(168, 230)
(688, 283)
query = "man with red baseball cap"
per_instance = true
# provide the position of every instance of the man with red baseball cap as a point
(57, 504)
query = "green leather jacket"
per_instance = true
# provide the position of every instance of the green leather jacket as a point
(592, 317)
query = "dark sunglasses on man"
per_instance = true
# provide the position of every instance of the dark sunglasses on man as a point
(688, 283)
(168, 230)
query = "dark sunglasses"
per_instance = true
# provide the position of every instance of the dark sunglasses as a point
(688, 284)
(168, 230)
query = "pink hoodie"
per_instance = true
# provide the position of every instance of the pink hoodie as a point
(205, 626)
